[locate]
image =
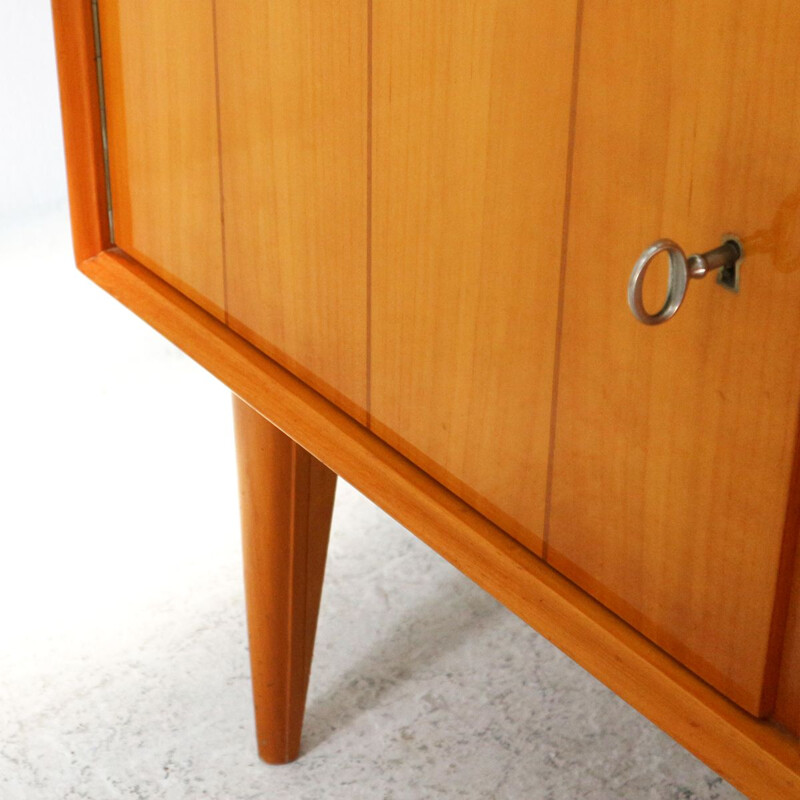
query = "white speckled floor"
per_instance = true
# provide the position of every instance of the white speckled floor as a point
(123, 670)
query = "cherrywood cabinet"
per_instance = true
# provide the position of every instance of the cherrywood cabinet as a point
(402, 231)
(674, 444)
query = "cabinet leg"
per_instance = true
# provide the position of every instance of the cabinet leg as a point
(286, 498)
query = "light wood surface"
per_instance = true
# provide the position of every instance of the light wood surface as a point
(293, 122)
(80, 116)
(754, 755)
(161, 110)
(674, 444)
(471, 107)
(286, 503)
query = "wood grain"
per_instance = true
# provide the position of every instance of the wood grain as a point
(286, 503)
(80, 115)
(161, 110)
(754, 755)
(470, 128)
(674, 445)
(293, 122)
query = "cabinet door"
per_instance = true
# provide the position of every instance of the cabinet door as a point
(674, 444)
(293, 82)
(161, 110)
(470, 121)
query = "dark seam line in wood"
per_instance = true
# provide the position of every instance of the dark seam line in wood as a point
(219, 167)
(562, 277)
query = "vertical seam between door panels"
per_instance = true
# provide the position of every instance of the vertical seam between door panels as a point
(219, 165)
(784, 585)
(573, 110)
(368, 398)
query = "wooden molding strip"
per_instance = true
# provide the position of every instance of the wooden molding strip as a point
(756, 756)
(80, 114)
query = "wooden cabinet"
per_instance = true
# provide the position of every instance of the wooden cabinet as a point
(405, 231)
(674, 444)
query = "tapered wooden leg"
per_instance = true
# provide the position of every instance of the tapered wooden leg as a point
(286, 500)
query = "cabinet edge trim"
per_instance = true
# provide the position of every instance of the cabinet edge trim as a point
(73, 28)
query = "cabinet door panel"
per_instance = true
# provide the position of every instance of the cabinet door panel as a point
(674, 444)
(470, 123)
(293, 82)
(161, 110)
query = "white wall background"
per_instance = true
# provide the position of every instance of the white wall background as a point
(31, 154)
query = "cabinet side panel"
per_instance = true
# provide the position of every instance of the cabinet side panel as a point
(293, 80)
(80, 114)
(470, 136)
(161, 112)
(674, 444)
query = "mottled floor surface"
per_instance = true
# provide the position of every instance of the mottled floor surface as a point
(123, 667)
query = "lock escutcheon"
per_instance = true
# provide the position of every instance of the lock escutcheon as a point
(727, 257)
